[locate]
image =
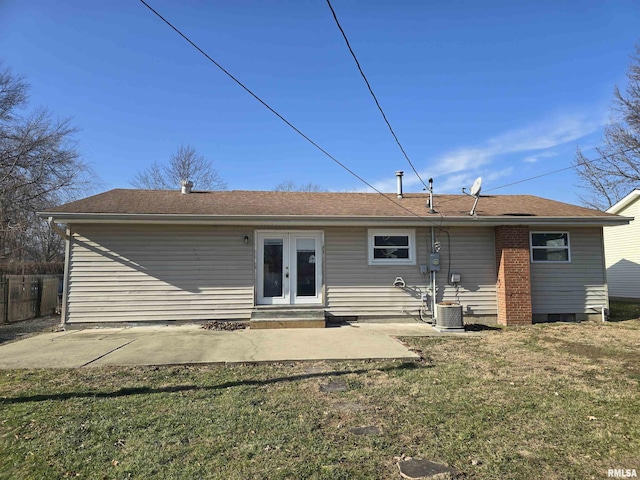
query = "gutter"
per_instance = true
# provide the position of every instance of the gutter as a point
(56, 228)
(328, 220)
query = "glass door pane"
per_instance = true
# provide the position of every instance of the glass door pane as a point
(272, 284)
(306, 267)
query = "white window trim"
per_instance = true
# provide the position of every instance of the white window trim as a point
(568, 247)
(392, 232)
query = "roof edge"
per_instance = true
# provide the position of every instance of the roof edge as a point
(329, 220)
(625, 202)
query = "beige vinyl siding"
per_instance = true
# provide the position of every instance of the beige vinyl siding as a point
(473, 256)
(622, 254)
(570, 287)
(163, 273)
(355, 288)
(159, 273)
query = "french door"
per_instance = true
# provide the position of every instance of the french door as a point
(289, 268)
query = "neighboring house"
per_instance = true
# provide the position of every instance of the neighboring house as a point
(622, 250)
(145, 256)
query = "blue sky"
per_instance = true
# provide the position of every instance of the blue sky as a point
(499, 89)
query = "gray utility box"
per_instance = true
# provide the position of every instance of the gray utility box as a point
(449, 317)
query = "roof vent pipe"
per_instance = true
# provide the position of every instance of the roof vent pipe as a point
(431, 210)
(186, 186)
(399, 175)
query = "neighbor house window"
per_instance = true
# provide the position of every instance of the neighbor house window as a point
(392, 247)
(550, 247)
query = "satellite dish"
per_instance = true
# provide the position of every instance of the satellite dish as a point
(476, 187)
(474, 192)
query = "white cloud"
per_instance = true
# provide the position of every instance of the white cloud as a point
(474, 160)
(454, 183)
(545, 135)
(538, 156)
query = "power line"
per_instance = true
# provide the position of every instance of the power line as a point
(529, 179)
(584, 162)
(429, 221)
(244, 87)
(364, 77)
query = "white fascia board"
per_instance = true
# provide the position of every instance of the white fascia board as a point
(625, 202)
(290, 220)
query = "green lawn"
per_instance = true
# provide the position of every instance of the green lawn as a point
(551, 401)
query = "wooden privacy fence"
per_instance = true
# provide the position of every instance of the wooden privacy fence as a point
(28, 296)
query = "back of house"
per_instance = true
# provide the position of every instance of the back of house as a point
(157, 256)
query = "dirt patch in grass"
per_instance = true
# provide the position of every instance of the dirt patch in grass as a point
(592, 352)
(10, 332)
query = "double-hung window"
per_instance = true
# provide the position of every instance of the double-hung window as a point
(392, 247)
(550, 247)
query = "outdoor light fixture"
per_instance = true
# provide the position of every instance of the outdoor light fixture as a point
(246, 239)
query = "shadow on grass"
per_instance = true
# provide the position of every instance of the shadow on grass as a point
(623, 311)
(127, 391)
(479, 327)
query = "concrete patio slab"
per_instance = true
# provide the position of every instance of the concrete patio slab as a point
(56, 350)
(189, 344)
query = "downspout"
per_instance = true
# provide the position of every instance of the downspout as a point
(604, 311)
(57, 229)
(432, 274)
(67, 263)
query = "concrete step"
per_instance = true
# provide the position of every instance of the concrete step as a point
(289, 323)
(264, 318)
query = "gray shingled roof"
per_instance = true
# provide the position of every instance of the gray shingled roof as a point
(315, 204)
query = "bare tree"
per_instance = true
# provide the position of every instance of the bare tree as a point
(616, 171)
(184, 164)
(39, 166)
(13, 94)
(291, 186)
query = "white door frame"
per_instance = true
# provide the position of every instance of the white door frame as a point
(289, 267)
